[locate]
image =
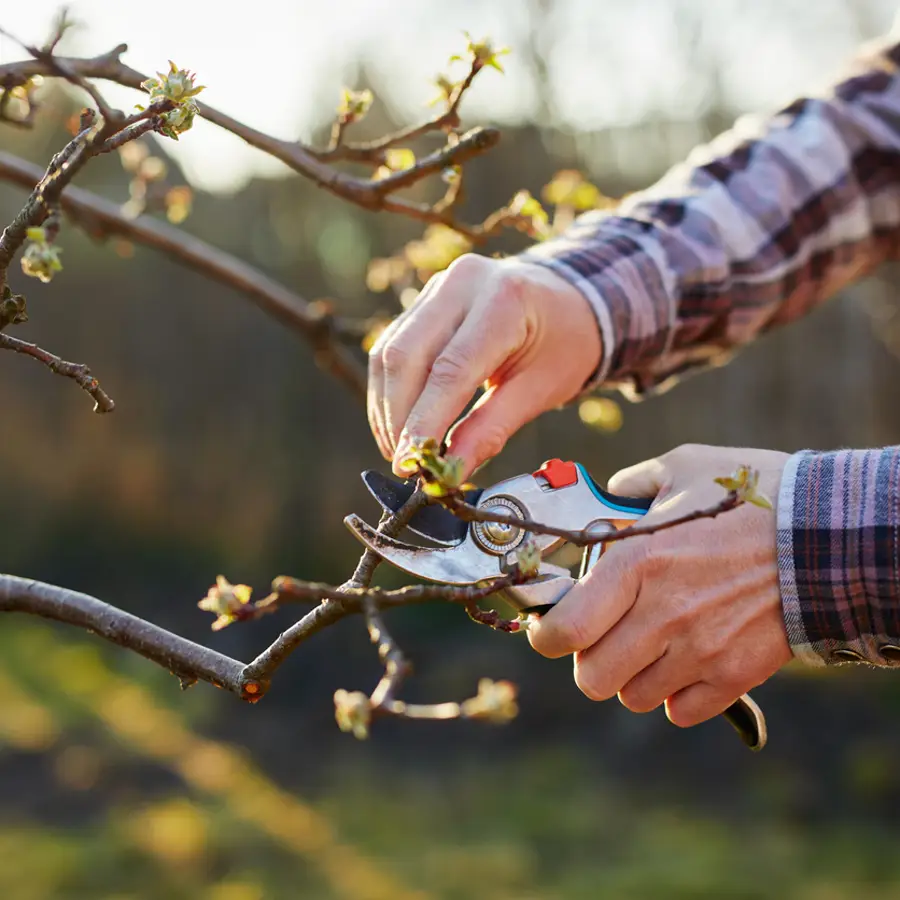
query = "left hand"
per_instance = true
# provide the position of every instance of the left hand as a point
(690, 616)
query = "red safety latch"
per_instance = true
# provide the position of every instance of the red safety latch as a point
(558, 474)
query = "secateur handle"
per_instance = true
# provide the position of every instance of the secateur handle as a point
(744, 715)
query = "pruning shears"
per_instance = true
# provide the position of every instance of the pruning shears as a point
(559, 494)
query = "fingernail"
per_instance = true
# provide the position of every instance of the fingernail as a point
(403, 445)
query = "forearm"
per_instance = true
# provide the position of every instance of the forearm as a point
(751, 232)
(839, 555)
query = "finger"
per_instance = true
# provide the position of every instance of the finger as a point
(373, 412)
(490, 334)
(629, 648)
(649, 688)
(375, 389)
(593, 606)
(646, 479)
(409, 354)
(699, 702)
(499, 413)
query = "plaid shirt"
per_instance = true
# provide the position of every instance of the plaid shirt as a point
(752, 232)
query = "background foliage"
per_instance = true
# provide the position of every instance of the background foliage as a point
(229, 451)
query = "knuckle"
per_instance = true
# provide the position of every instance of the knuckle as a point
(492, 443)
(705, 644)
(388, 334)
(731, 671)
(653, 556)
(681, 453)
(394, 357)
(448, 368)
(468, 265)
(507, 296)
(572, 633)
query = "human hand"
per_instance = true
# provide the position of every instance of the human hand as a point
(516, 327)
(690, 616)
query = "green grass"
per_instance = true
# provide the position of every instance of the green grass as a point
(543, 828)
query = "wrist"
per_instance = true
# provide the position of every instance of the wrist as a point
(558, 283)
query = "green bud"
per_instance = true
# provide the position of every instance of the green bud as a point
(226, 600)
(176, 85)
(482, 53)
(12, 309)
(528, 559)
(744, 483)
(354, 104)
(353, 713)
(179, 120)
(495, 702)
(40, 259)
(531, 214)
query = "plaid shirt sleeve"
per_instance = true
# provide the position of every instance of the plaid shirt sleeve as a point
(752, 232)
(839, 556)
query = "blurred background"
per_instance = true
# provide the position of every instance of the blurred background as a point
(230, 452)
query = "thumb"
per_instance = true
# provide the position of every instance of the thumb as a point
(646, 479)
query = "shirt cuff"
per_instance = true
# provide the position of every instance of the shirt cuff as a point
(621, 271)
(837, 541)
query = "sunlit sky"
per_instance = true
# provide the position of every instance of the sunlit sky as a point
(279, 64)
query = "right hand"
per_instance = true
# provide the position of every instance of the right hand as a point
(517, 328)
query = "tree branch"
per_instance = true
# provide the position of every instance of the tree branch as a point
(367, 193)
(192, 662)
(102, 218)
(263, 667)
(189, 661)
(78, 372)
(45, 195)
(469, 145)
(184, 658)
(56, 66)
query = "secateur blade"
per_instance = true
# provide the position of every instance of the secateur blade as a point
(433, 521)
(461, 564)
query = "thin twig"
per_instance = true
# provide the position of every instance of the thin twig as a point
(45, 195)
(440, 214)
(471, 144)
(428, 711)
(337, 138)
(371, 602)
(262, 668)
(312, 164)
(585, 537)
(287, 590)
(396, 665)
(493, 619)
(137, 125)
(78, 372)
(373, 152)
(132, 132)
(57, 66)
